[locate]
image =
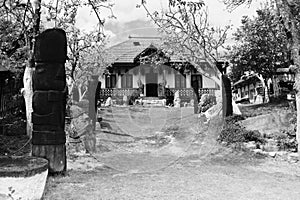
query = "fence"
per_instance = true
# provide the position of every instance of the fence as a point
(116, 92)
(189, 92)
(10, 99)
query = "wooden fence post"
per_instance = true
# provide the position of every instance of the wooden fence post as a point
(226, 96)
(49, 99)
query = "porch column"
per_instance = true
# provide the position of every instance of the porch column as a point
(188, 80)
(119, 84)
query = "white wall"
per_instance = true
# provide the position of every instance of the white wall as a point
(208, 83)
(102, 79)
(170, 78)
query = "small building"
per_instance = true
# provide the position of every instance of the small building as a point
(247, 88)
(139, 65)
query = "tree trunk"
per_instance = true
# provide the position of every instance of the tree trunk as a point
(296, 59)
(267, 97)
(27, 79)
(92, 86)
(28, 93)
(291, 25)
(266, 89)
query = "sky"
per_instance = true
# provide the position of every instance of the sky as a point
(133, 21)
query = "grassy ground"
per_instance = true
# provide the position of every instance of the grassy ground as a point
(199, 170)
(180, 168)
(251, 110)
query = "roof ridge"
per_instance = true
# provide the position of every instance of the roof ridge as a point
(144, 37)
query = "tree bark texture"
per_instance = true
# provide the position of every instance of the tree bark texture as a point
(196, 97)
(49, 99)
(27, 79)
(92, 96)
(27, 94)
(226, 96)
(290, 20)
(266, 90)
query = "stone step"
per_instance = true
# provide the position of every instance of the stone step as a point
(156, 102)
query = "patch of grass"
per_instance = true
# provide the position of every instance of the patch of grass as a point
(233, 132)
(252, 110)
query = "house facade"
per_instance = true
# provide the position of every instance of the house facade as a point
(247, 89)
(131, 70)
(249, 86)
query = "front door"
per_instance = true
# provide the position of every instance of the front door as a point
(151, 85)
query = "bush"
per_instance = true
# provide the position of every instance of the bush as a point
(287, 140)
(206, 102)
(232, 132)
(286, 143)
(135, 95)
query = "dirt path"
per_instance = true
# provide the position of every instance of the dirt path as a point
(177, 160)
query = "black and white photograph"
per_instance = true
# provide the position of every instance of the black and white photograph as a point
(149, 99)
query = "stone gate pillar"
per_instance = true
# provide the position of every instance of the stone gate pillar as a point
(49, 99)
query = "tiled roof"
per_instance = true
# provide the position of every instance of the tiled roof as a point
(125, 52)
(246, 80)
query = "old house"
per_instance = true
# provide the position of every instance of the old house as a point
(138, 65)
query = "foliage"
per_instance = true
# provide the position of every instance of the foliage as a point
(85, 49)
(188, 35)
(206, 102)
(15, 30)
(135, 95)
(262, 45)
(287, 139)
(233, 132)
(289, 15)
(80, 43)
(287, 143)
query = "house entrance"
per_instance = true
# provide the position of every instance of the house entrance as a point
(151, 85)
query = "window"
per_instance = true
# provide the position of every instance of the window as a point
(110, 81)
(180, 81)
(196, 79)
(126, 81)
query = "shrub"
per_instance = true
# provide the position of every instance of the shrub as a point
(287, 140)
(287, 143)
(206, 102)
(232, 132)
(135, 95)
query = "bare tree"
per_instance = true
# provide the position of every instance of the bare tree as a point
(187, 34)
(28, 16)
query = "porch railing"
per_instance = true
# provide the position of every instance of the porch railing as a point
(185, 92)
(116, 92)
(189, 92)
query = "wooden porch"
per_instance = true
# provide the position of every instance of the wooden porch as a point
(186, 94)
